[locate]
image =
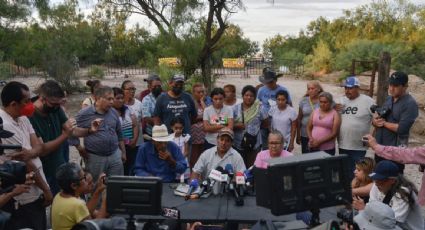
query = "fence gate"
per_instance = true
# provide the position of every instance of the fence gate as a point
(358, 66)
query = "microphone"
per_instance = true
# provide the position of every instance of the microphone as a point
(204, 187)
(192, 186)
(229, 170)
(240, 183)
(248, 176)
(215, 175)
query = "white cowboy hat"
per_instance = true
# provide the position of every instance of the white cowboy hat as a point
(160, 134)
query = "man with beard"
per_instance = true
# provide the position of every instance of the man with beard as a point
(53, 128)
(149, 101)
(175, 103)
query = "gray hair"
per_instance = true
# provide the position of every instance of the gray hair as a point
(66, 175)
(101, 91)
(279, 134)
(328, 96)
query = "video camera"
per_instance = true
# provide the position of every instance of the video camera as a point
(11, 172)
(381, 111)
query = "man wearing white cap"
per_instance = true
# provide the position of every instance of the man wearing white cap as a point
(356, 119)
(161, 157)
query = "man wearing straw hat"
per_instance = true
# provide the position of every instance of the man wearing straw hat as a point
(161, 157)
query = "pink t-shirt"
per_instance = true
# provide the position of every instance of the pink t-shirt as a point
(263, 156)
(323, 127)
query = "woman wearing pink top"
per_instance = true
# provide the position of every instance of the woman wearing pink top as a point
(276, 143)
(401, 155)
(323, 125)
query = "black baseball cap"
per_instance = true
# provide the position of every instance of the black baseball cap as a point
(398, 78)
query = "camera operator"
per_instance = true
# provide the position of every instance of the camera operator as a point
(393, 129)
(395, 190)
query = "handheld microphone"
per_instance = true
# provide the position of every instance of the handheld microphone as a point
(204, 187)
(240, 183)
(248, 176)
(192, 186)
(215, 175)
(229, 170)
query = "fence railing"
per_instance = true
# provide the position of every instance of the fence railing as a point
(250, 67)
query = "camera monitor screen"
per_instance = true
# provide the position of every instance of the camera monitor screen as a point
(314, 180)
(134, 195)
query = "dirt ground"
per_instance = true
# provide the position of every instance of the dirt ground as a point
(297, 88)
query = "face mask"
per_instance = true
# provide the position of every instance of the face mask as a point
(157, 91)
(48, 109)
(28, 110)
(177, 90)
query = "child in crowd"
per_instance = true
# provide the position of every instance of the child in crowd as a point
(182, 141)
(362, 183)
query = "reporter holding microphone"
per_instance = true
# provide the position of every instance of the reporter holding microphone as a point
(218, 156)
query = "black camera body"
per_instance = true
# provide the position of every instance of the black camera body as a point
(381, 111)
(11, 173)
(346, 215)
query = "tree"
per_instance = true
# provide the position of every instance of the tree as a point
(175, 19)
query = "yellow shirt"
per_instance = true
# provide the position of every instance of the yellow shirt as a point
(66, 212)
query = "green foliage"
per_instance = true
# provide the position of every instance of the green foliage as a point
(359, 50)
(96, 71)
(5, 71)
(321, 59)
(396, 26)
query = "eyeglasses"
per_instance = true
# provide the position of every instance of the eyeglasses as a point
(131, 89)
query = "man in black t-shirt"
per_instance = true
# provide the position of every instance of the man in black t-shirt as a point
(175, 103)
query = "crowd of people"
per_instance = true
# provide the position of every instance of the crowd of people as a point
(178, 136)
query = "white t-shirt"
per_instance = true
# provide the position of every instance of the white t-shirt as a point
(181, 141)
(22, 129)
(281, 120)
(136, 109)
(216, 116)
(407, 217)
(356, 119)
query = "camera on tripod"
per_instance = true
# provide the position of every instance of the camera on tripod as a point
(381, 111)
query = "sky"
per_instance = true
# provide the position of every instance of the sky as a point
(262, 19)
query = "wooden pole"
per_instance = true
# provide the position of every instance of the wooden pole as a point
(383, 75)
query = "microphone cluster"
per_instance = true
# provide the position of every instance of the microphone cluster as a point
(229, 181)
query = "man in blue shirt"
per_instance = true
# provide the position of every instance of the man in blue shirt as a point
(267, 96)
(161, 157)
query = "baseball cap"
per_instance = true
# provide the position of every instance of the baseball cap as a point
(384, 169)
(177, 78)
(152, 77)
(351, 82)
(398, 78)
(268, 76)
(225, 131)
(376, 216)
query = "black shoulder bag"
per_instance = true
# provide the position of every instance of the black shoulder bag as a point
(248, 141)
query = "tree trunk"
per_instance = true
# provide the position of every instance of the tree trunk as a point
(383, 74)
(206, 72)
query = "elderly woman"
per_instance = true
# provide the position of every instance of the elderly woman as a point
(307, 105)
(67, 208)
(276, 142)
(249, 116)
(323, 125)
